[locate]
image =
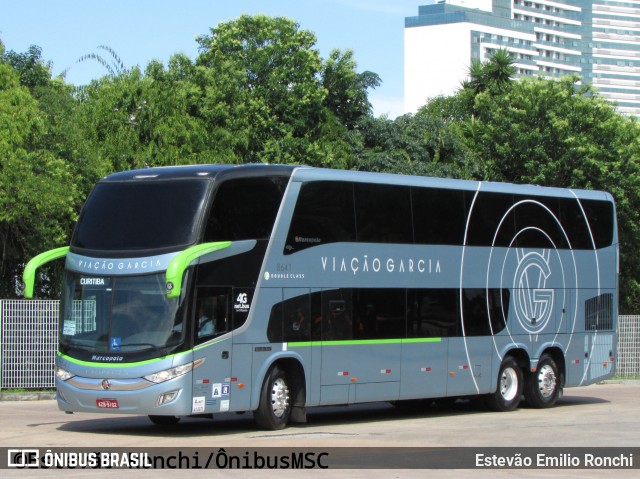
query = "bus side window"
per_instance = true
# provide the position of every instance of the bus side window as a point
(212, 313)
(244, 208)
(439, 215)
(324, 213)
(433, 313)
(383, 213)
(291, 320)
(337, 317)
(297, 320)
(380, 313)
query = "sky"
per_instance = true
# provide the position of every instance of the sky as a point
(143, 30)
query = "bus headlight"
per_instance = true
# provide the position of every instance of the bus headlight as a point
(63, 374)
(172, 373)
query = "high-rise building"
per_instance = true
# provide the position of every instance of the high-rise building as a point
(598, 40)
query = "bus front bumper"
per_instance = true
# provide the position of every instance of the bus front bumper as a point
(126, 396)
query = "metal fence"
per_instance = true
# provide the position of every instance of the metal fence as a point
(628, 347)
(29, 340)
(28, 343)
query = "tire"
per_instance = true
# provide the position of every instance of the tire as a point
(274, 409)
(164, 420)
(543, 386)
(509, 389)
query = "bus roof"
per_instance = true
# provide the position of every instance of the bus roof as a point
(305, 173)
(200, 171)
(320, 174)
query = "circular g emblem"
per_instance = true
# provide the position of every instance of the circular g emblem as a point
(533, 301)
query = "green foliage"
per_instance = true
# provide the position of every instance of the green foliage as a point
(560, 133)
(494, 75)
(347, 89)
(114, 66)
(260, 92)
(421, 144)
(32, 70)
(135, 120)
(263, 73)
(37, 193)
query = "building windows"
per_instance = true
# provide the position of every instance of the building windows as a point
(565, 24)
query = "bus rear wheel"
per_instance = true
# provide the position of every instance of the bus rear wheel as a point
(544, 385)
(164, 420)
(509, 391)
(275, 407)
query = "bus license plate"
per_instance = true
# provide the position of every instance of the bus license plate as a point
(107, 403)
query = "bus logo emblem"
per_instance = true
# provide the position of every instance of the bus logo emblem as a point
(106, 385)
(533, 300)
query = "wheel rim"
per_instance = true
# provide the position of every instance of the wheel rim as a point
(509, 384)
(546, 381)
(279, 397)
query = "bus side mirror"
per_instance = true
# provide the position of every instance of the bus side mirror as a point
(29, 275)
(181, 262)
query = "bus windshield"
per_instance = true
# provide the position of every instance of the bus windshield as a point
(137, 215)
(128, 315)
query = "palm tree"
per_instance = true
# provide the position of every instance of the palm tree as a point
(476, 81)
(499, 70)
(114, 67)
(493, 75)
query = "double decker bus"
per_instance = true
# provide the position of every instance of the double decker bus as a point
(193, 291)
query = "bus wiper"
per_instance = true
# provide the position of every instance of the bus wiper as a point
(65, 347)
(149, 345)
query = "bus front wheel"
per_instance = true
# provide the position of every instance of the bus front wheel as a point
(509, 390)
(275, 407)
(544, 385)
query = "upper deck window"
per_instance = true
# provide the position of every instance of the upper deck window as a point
(245, 208)
(383, 213)
(332, 212)
(145, 215)
(324, 214)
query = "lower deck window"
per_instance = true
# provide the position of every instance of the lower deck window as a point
(387, 313)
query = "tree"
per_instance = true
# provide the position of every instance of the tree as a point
(347, 90)
(493, 75)
(263, 86)
(32, 69)
(421, 144)
(113, 64)
(560, 133)
(37, 193)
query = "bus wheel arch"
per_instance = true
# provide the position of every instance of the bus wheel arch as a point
(282, 395)
(543, 387)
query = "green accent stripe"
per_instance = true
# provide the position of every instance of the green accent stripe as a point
(421, 340)
(207, 344)
(182, 260)
(139, 363)
(303, 344)
(119, 365)
(29, 275)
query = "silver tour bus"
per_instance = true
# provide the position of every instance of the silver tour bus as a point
(193, 291)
